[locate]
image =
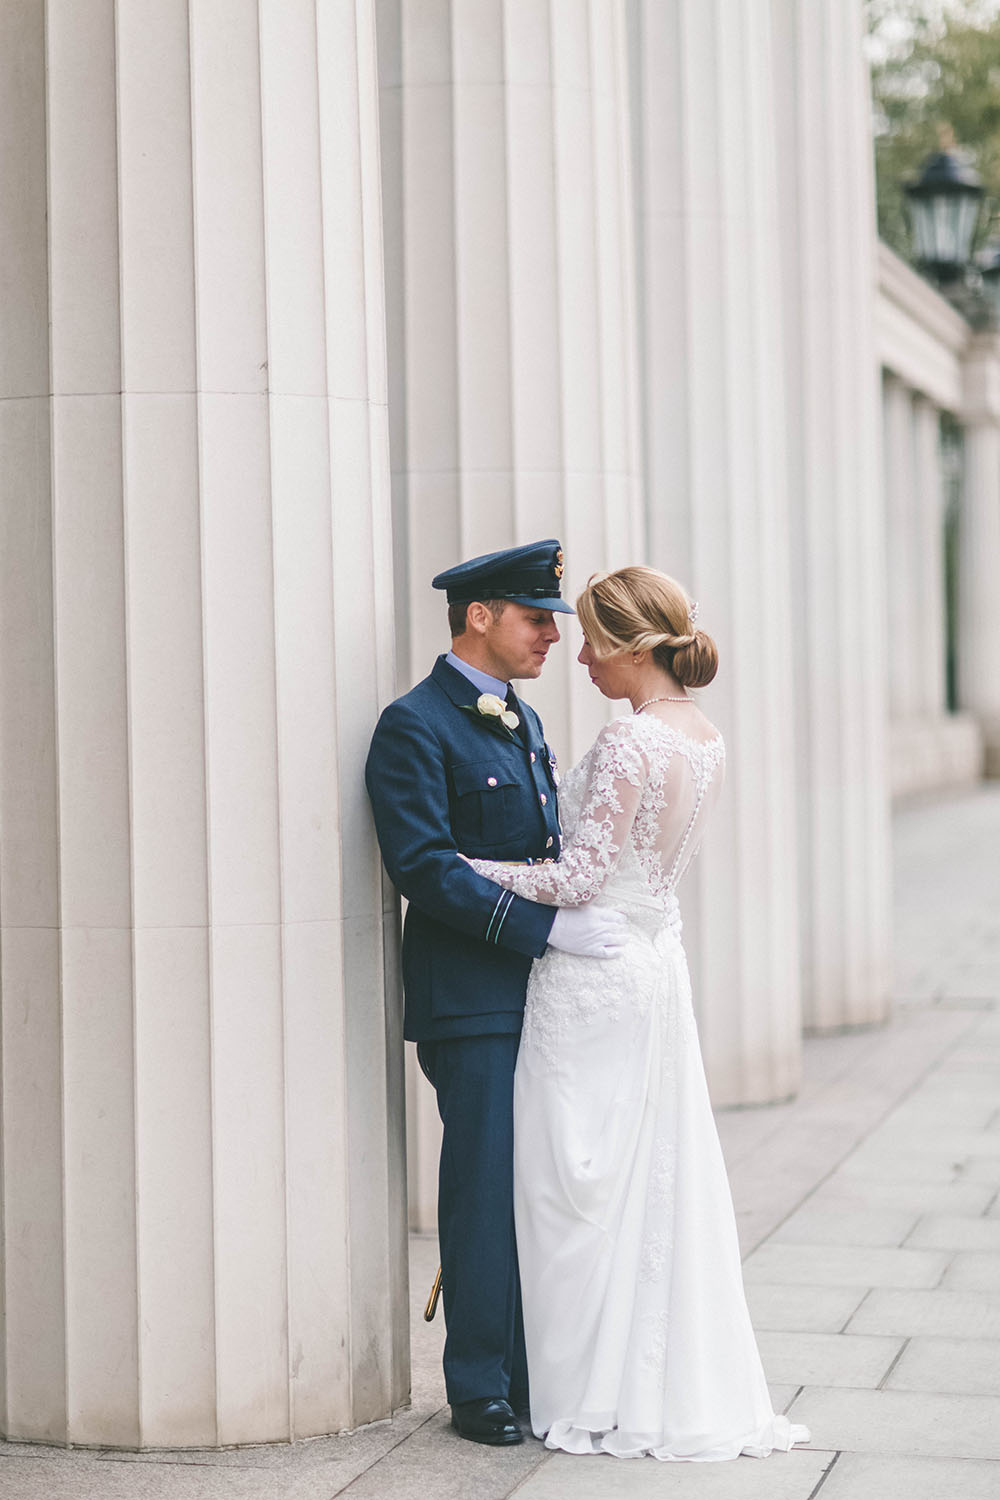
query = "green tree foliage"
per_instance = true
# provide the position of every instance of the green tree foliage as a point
(934, 66)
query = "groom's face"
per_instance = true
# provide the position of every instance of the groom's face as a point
(519, 640)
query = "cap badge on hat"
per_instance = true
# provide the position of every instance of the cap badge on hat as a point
(558, 566)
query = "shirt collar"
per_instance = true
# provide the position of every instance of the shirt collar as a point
(481, 680)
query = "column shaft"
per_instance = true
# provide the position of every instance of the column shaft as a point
(930, 582)
(205, 1151)
(979, 532)
(838, 546)
(511, 303)
(717, 497)
(902, 532)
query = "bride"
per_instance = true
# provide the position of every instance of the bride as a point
(637, 1330)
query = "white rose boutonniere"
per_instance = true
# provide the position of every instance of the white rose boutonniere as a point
(493, 707)
(489, 706)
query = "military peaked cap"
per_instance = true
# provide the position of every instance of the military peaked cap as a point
(525, 575)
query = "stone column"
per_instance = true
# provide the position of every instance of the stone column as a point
(512, 344)
(979, 523)
(511, 316)
(902, 565)
(931, 647)
(838, 548)
(203, 1222)
(711, 310)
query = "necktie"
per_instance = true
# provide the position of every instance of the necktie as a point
(515, 707)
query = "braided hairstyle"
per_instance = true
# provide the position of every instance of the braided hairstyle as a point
(639, 609)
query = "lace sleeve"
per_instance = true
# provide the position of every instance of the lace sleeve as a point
(615, 777)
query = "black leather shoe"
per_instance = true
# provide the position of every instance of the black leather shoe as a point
(521, 1407)
(489, 1420)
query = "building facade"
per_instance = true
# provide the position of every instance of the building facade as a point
(304, 300)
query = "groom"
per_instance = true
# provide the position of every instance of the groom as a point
(460, 764)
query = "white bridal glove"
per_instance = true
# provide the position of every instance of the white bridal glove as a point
(589, 931)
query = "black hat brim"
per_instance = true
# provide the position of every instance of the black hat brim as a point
(557, 606)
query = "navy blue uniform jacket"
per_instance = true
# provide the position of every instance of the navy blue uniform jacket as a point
(442, 779)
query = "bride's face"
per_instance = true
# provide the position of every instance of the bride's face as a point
(613, 675)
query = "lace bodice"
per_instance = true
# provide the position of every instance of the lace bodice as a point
(633, 812)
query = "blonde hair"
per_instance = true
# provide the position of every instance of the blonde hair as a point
(639, 609)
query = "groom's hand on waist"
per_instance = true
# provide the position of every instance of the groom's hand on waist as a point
(588, 931)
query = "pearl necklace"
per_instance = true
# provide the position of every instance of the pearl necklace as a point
(660, 700)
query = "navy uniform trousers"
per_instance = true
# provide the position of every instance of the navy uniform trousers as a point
(484, 1349)
(443, 779)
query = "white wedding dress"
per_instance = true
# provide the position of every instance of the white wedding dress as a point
(638, 1336)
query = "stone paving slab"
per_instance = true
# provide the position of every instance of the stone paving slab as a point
(776, 1156)
(943, 1232)
(821, 1223)
(937, 1142)
(959, 1197)
(865, 1476)
(983, 1169)
(805, 1309)
(881, 1164)
(782, 1396)
(911, 1424)
(973, 1271)
(926, 1111)
(319, 1468)
(83, 1479)
(436, 1464)
(783, 1476)
(827, 1358)
(965, 1090)
(844, 1265)
(960, 1315)
(965, 1367)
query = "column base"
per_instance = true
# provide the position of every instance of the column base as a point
(937, 754)
(851, 1028)
(990, 731)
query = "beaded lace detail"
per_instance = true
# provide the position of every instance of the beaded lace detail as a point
(633, 813)
(632, 807)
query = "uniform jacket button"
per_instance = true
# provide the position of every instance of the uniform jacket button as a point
(549, 842)
(544, 799)
(491, 781)
(532, 757)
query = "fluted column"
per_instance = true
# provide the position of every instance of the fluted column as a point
(511, 303)
(203, 1232)
(838, 547)
(512, 342)
(930, 556)
(979, 532)
(711, 309)
(902, 562)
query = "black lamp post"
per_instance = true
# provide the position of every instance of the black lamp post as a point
(944, 204)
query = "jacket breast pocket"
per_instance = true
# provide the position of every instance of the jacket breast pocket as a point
(488, 807)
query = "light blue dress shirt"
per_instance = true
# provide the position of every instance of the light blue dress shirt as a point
(481, 680)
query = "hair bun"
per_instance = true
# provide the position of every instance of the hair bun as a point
(639, 609)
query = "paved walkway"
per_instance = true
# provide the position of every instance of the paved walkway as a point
(870, 1220)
